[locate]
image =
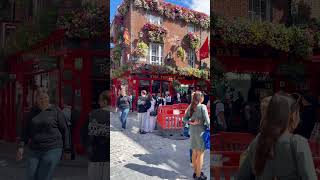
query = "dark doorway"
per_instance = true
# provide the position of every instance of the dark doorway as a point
(98, 87)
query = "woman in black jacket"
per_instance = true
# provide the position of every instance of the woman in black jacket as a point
(96, 138)
(47, 129)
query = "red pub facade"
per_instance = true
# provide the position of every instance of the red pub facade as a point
(73, 71)
(164, 34)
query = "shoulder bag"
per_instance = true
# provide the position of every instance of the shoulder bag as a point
(206, 134)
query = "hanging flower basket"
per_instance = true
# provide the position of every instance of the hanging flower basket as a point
(85, 23)
(192, 40)
(154, 33)
(141, 50)
(181, 53)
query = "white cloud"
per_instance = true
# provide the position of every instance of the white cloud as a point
(201, 6)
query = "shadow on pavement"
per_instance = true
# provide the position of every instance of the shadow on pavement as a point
(152, 171)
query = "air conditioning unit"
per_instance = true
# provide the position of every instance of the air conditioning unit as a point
(6, 29)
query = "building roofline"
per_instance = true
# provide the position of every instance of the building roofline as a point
(164, 3)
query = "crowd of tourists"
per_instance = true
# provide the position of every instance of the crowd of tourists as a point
(234, 114)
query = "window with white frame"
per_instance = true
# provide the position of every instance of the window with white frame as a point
(192, 28)
(156, 53)
(154, 19)
(191, 58)
(260, 10)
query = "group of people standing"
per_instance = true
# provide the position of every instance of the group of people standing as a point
(238, 115)
(146, 106)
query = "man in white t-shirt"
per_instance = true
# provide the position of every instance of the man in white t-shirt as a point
(219, 112)
(178, 98)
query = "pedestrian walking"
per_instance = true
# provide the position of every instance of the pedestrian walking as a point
(276, 153)
(96, 138)
(151, 118)
(48, 131)
(143, 105)
(123, 103)
(198, 118)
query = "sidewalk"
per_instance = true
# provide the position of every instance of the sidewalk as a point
(10, 169)
(148, 156)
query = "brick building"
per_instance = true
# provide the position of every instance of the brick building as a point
(73, 69)
(265, 10)
(136, 18)
(267, 67)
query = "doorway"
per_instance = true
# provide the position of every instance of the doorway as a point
(98, 86)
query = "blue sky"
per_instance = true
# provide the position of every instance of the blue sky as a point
(199, 5)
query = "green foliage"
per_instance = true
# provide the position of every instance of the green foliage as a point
(116, 54)
(141, 50)
(181, 53)
(88, 22)
(192, 40)
(294, 40)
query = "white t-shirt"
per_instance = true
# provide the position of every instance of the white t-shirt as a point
(178, 97)
(219, 109)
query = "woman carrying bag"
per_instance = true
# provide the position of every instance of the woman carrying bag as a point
(198, 118)
(276, 153)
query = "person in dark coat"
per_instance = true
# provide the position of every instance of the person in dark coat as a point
(307, 115)
(48, 131)
(96, 139)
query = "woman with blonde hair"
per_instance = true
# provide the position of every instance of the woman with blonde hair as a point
(276, 153)
(47, 129)
(198, 118)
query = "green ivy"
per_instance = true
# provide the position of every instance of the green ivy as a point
(181, 53)
(243, 32)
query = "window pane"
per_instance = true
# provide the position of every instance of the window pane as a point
(165, 87)
(156, 87)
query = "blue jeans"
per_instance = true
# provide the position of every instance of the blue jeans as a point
(123, 116)
(41, 165)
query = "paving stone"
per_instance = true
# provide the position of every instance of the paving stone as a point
(148, 156)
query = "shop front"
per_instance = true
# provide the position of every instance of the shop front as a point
(72, 76)
(156, 84)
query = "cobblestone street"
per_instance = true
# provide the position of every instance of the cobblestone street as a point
(148, 156)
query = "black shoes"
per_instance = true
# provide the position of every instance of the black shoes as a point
(142, 132)
(202, 176)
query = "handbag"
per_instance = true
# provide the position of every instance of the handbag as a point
(206, 135)
(153, 113)
(186, 130)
